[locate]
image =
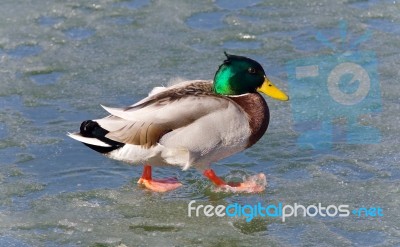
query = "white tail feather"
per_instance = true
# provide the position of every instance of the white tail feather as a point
(88, 140)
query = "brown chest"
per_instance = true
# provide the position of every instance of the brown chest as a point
(254, 105)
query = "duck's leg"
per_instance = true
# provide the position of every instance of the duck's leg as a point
(254, 184)
(158, 185)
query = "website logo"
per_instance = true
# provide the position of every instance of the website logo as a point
(330, 93)
(249, 212)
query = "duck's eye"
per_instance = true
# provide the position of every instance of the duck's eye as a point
(251, 70)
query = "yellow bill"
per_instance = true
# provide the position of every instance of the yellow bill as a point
(269, 89)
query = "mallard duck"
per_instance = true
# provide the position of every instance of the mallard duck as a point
(190, 124)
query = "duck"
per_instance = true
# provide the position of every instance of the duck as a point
(191, 124)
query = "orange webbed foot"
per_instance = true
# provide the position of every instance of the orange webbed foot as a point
(157, 185)
(253, 184)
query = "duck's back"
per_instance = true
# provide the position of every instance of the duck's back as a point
(185, 124)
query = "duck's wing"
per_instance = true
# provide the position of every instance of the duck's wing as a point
(146, 122)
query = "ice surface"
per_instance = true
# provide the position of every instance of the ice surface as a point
(59, 60)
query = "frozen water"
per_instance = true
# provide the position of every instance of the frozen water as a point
(79, 33)
(25, 51)
(59, 60)
(46, 77)
(235, 5)
(238, 45)
(206, 21)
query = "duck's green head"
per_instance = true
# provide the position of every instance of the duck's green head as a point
(240, 75)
